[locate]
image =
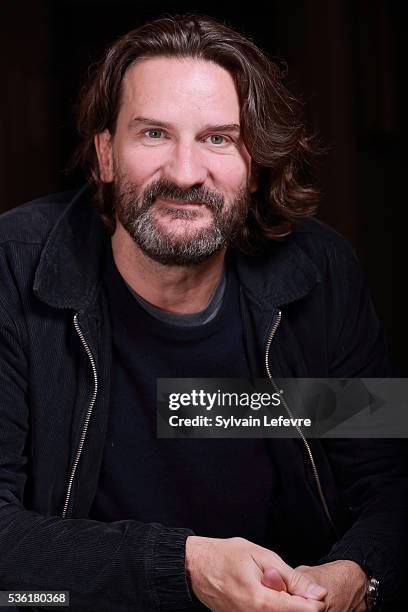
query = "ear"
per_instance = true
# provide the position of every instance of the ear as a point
(103, 147)
(253, 177)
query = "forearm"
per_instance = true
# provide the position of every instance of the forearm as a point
(373, 477)
(132, 565)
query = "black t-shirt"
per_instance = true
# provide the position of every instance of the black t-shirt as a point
(217, 487)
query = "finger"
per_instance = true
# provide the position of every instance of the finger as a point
(300, 584)
(284, 602)
(271, 578)
(296, 582)
(299, 604)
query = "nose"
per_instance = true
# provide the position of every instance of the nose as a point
(185, 165)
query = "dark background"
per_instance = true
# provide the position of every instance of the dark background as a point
(345, 60)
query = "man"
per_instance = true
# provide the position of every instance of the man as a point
(194, 151)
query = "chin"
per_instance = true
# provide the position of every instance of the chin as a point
(179, 259)
(183, 228)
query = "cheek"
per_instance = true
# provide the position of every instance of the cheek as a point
(139, 166)
(230, 172)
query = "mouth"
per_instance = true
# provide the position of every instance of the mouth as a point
(179, 203)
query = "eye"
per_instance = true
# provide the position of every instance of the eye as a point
(218, 139)
(153, 133)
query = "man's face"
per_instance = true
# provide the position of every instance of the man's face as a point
(180, 172)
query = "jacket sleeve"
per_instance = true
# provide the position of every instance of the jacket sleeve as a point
(371, 473)
(123, 565)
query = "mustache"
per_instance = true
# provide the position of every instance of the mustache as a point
(166, 189)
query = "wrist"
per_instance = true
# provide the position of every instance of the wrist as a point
(191, 543)
(372, 590)
(371, 587)
(196, 550)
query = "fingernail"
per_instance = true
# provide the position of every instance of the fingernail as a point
(315, 590)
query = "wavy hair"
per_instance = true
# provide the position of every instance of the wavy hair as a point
(271, 124)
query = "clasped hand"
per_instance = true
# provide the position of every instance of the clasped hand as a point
(235, 575)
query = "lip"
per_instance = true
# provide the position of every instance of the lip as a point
(173, 202)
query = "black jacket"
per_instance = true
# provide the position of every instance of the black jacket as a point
(55, 346)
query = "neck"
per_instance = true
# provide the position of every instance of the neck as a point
(179, 289)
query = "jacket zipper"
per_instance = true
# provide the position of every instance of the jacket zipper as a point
(87, 416)
(305, 442)
(95, 392)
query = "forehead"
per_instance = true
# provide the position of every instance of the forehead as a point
(173, 88)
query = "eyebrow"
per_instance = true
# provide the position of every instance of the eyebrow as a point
(224, 127)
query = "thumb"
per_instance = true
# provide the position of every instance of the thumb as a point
(299, 584)
(272, 579)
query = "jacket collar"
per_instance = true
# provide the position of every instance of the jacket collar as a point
(281, 276)
(70, 268)
(69, 273)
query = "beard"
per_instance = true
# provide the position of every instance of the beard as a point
(134, 211)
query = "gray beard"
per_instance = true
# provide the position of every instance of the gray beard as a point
(134, 213)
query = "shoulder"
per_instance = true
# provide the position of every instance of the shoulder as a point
(24, 234)
(327, 248)
(315, 235)
(32, 222)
